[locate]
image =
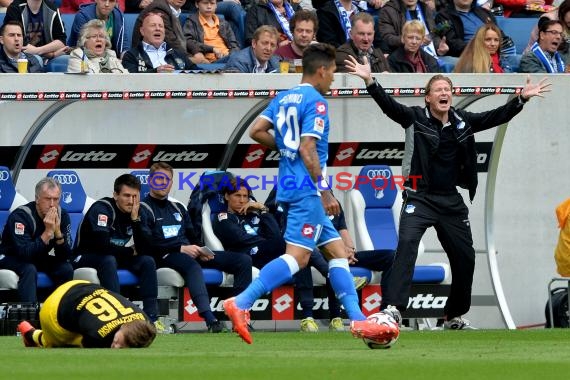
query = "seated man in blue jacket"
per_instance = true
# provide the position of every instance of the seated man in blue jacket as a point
(37, 237)
(171, 239)
(259, 57)
(153, 54)
(104, 10)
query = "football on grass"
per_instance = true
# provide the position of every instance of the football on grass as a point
(392, 331)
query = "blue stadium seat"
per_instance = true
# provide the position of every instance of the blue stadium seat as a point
(518, 29)
(376, 206)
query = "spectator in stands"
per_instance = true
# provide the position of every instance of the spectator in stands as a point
(169, 236)
(44, 34)
(360, 45)
(410, 57)
(449, 156)
(72, 317)
(461, 20)
(544, 56)
(113, 22)
(110, 237)
(233, 12)
(391, 22)
(334, 21)
(562, 14)
(303, 26)
(524, 8)
(208, 38)
(277, 13)
(483, 53)
(12, 40)
(153, 54)
(170, 12)
(259, 57)
(37, 237)
(94, 54)
(73, 6)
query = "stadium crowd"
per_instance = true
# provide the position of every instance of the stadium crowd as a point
(226, 35)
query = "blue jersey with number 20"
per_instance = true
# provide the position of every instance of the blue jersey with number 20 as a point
(300, 111)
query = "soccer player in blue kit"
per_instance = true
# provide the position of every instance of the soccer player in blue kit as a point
(299, 117)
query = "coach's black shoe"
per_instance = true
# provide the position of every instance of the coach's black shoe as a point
(216, 327)
(27, 331)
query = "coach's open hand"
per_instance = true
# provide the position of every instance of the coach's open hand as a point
(538, 89)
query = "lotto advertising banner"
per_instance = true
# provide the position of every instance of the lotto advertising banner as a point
(426, 301)
(142, 156)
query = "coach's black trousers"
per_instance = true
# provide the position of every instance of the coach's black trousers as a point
(449, 215)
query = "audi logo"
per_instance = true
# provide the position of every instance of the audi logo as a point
(143, 178)
(379, 173)
(66, 179)
(4, 175)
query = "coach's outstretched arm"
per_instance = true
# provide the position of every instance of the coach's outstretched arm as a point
(363, 71)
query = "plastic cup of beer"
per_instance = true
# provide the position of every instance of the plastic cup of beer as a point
(298, 65)
(22, 65)
(284, 67)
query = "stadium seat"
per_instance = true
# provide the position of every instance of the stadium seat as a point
(519, 30)
(376, 204)
(10, 199)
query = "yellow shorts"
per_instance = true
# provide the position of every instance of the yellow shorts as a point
(53, 334)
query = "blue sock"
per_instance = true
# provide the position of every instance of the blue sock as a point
(343, 285)
(275, 273)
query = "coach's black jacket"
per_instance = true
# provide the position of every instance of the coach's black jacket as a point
(423, 136)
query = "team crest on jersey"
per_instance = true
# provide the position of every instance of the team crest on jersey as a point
(222, 216)
(102, 220)
(19, 228)
(308, 231)
(410, 209)
(319, 125)
(321, 108)
(177, 216)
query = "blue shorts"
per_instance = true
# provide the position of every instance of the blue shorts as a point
(307, 224)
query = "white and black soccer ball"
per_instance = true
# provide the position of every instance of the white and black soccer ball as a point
(393, 331)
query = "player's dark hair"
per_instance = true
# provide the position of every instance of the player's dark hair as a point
(11, 22)
(138, 334)
(234, 186)
(303, 15)
(126, 180)
(161, 166)
(318, 55)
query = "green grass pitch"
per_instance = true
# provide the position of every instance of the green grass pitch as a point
(441, 355)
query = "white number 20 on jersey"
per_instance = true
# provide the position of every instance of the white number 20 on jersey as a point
(288, 127)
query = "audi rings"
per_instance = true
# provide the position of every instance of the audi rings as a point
(66, 179)
(4, 175)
